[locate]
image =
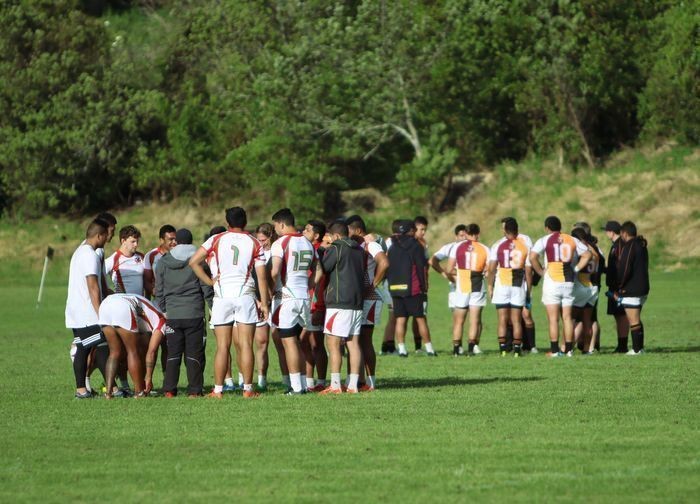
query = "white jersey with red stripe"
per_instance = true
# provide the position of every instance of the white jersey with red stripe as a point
(371, 250)
(151, 259)
(234, 255)
(297, 254)
(131, 312)
(126, 272)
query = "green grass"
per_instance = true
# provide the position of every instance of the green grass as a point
(602, 428)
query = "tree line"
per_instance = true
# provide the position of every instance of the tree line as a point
(103, 102)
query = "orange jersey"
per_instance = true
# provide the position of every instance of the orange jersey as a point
(584, 276)
(471, 258)
(511, 257)
(561, 252)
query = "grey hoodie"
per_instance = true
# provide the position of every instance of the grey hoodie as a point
(344, 262)
(179, 292)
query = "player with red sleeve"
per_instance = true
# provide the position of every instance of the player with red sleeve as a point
(166, 237)
(125, 267)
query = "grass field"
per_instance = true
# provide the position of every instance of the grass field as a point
(600, 428)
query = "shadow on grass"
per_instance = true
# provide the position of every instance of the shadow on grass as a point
(689, 349)
(450, 381)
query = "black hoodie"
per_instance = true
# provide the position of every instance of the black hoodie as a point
(344, 262)
(178, 290)
(633, 268)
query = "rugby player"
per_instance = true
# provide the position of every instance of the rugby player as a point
(441, 255)
(376, 265)
(83, 301)
(633, 282)
(564, 256)
(265, 233)
(127, 320)
(421, 228)
(312, 336)
(586, 292)
(293, 257)
(510, 283)
(344, 262)
(237, 253)
(467, 266)
(612, 231)
(407, 278)
(167, 241)
(126, 266)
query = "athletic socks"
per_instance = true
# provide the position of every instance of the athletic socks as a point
(371, 381)
(247, 387)
(402, 348)
(228, 382)
(262, 381)
(456, 348)
(622, 345)
(554, 347)
(429, 347)
(218, 389)
(335, 380)
(470, 347)
(503, 347)
(309, 383)
(304, 382)
(352, 381)
(321, 382)
(568, 346)
(240, 379)
(87, 384)
(295, 379)
(417, 342)
(517, 349)
(637, 337)
(528, 337)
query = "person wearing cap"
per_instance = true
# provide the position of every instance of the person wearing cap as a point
(612, 231)
(182, 297)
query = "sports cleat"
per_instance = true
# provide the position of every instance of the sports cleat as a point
(534, 350)
(170, 395)
(634, 354)
(570, 353)
(250, 394)
(140, 395)
(431, 354)
(124, 392)
(516, 355)
(229, 388)
(352, 391)
(555, 355)
(215, 395)
(83, 395)
(330, 391)
(504, 353)
(590, 352)
(194, 396)
(294, 392)
(317, 388)
(476, 350)
(403, 354)
(366, 388)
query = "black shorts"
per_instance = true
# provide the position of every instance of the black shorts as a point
(614, 308)
(409, 306)
(89, 336)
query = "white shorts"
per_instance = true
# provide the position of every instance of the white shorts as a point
(584, 295)
(266, 322)
(557, 293)
(463, 301)
(371, 312)
(116, 312)
(509, 295)
(226, 311)
(451, 297)
(343, 323)
(633, 302)
(290, 312)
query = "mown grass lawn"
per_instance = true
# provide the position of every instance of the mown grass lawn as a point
(600, 428)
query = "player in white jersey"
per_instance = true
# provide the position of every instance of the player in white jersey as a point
(237, 254)
(125, 266)
(442, 255)
(293, 256)
(167, 241)
(376, 265)
(127, 320)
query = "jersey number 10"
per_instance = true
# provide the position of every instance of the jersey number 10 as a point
(562, 252)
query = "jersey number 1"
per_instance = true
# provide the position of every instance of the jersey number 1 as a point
(235, 255)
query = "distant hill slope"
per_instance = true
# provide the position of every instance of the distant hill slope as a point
(659, 190)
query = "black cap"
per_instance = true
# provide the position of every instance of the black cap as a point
(183, 236)
(612, 225)
(405, 226)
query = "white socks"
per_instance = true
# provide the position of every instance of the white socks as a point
(228, 382)
(352, 381)
(262, 381)
(309, 383)
(402, 348)
(248, 387)
(240, 379)
(335, 380)
(429, 347)
(371, 381)
(218, 389)
(295, 379)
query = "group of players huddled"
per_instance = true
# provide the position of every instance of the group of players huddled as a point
(318, 291)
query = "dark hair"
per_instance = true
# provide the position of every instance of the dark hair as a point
(629, 228)
(583, 225)
(510, 225)
(473, 229)
(107, 217)
(420, 220)
(96, 227)
(553, 223)
(284, 216)
(356, 222)
(165, 230)
(318, 227)
(267, 229)
(339, 227)
(216, 230)
(236, 217)
(580, 233)
(129, 231)
(459, 228)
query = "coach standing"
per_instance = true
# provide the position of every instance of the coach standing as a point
(181, 296)
(83, 302)
(612, 230)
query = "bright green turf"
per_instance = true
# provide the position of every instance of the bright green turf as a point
(601, 428)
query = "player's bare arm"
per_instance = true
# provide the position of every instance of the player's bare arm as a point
(382, 266)
(151, 356)
(583, 260)
(451, 269)
(528, 280)
(536, 265)
(94, 290)
(197, 265)
(491, 277)
(264, 290)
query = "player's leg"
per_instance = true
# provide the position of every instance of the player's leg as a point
(354, 352)
(222, 356)
(516, 323)
(622, 325)
(459, 315)
(262, 359)
(503, 311)
(116, 350)
(176, 345)
(416, 335)
(567, 320)
(400, 324)
(389, 343)
(130, 340)
(529, 331)
(244, 351)
(320, 357)
(369, 356)
(293, 354)
(474, 325)
(281, 356)
(335, 362)
(194, 353)
(636, 329)
(553, 312)
(587, 325)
